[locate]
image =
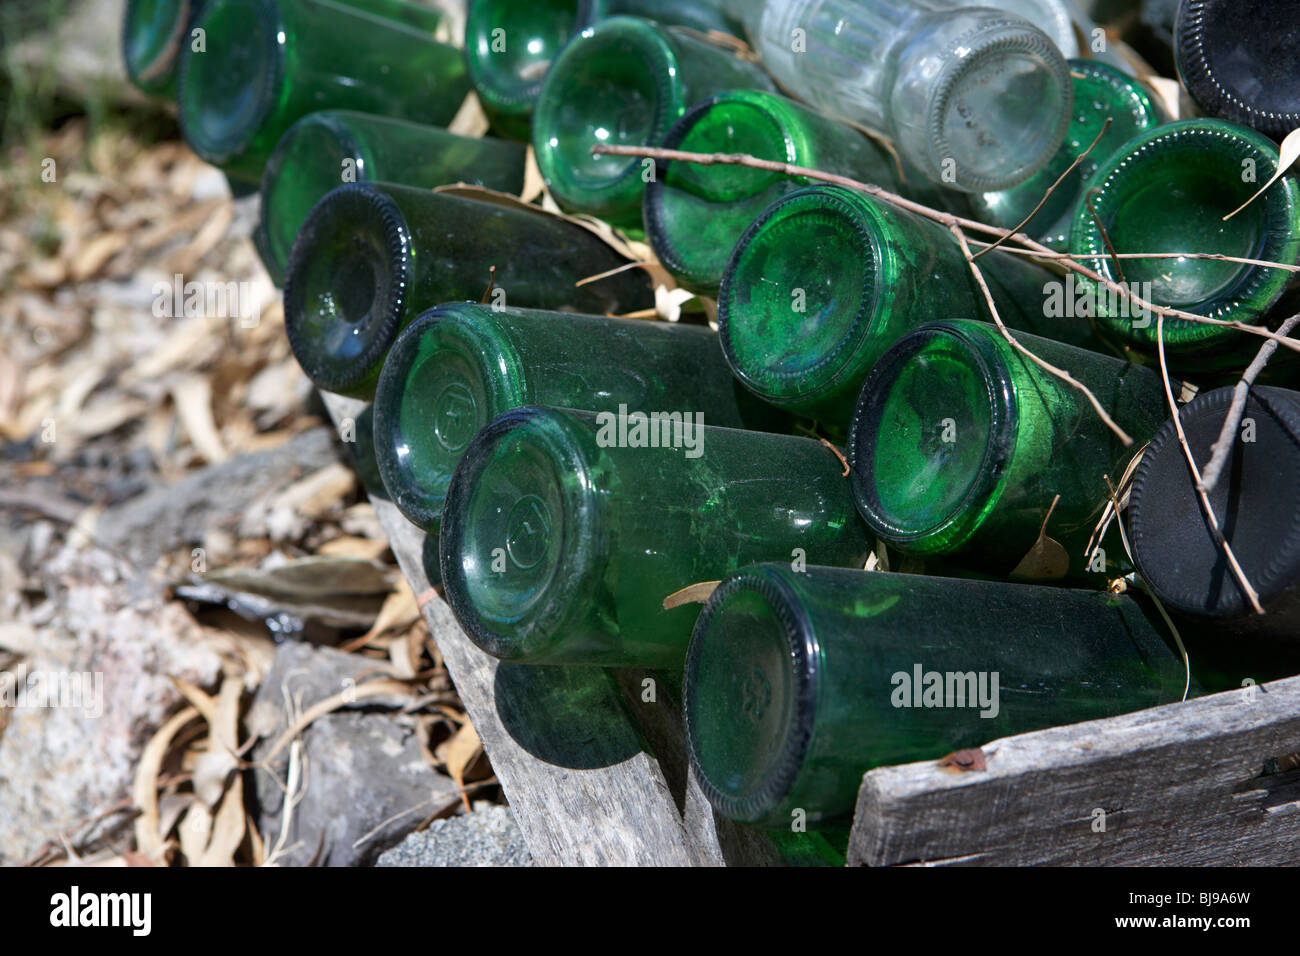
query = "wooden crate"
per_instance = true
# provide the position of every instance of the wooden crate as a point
(1209, 781)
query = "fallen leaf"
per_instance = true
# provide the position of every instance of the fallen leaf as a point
(1047, 560)
(691, 594)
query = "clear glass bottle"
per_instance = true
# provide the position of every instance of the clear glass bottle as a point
(1168, 190)
(326, 149)
(267, 63)
(976, 98)
(959, 444)
(798, 683)
(509, 44)
(373, 256)
(624, 81)
(1101, 93)
(457, 367)
(827, 279)
(563, 533)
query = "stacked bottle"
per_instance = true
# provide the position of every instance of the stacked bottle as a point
(509, 44)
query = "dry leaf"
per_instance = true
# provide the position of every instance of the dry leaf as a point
(460, 754)
(193, 397)
(195, 831)
(691, 594)
(87, 260)
(145, 788)
(470, 120)
(1047, 560)
(1288, 153)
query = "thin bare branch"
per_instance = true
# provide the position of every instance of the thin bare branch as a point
(1223, 444)
(1050, 189)
(1006, 334)
(1206, 507)
(1214, 256)
(1033, 247)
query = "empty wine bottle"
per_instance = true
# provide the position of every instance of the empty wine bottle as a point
(1257, 503)
(564, 531)
(457, 367)
(959, 444)
(509, 44)
(324, 150)
(1169, 191)
(694, 214)
(1101, 93)
(826, 279)
(1237, 59)
(798, 683)
(976, 98)
(153, 33)
(266, 63)
(624, 81)
(373, 256)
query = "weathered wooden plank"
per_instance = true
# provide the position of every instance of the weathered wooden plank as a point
(1183, 784)
(586, 785)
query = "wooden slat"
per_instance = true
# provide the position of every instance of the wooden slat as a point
(587, 785)
(1183, 784)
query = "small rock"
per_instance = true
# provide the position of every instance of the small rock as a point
(367, 781)
(487, 837)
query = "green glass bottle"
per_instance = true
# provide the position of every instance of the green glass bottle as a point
(324, 150)
(509, 44)
(694, 214)
(1169, 190)
(373, 256)
(564, 531)
(1101, 93)
(457, 367)
(153, 33)
(959, 444)
(826, 279)
(798, 683)
(624, 81)
(266, 63)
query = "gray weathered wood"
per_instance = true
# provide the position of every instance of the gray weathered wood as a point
(586, 785)
(1181, 784)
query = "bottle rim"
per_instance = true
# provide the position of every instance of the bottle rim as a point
(346, 212)
(511, 97)
(987, 359)
(571, 577)
(1199, 582)
(1277, 210)
(804, 657)
(650, 41)
(1194, 24)
(333, 123)
(995, 37)
(150, 71)
(468, 331)
(868, 222)
(262, 32)
(659, 224)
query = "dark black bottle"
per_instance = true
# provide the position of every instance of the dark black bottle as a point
(1257, 503)
(1238, 60)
